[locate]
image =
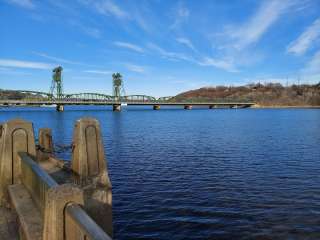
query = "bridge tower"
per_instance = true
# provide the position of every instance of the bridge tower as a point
(56, 90)
(117, 86)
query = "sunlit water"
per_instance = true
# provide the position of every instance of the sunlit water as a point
(204, 174)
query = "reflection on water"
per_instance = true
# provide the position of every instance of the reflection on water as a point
(205, 174)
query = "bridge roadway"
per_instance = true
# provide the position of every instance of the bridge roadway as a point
(117, 105)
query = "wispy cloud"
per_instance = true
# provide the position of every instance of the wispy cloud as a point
(135, 68)
(225, 64)
(181, 14)
(306, 39)
(251, 31)
(61, 60)
(313, 66)
(109, 8)
(24, 64)
(236, 42)
(28, 4)
(186, 42)
(92, 32)
(55, 59)
(129, 46)
(169, 55)
(102, 72)
(13, 71)
(218, 63)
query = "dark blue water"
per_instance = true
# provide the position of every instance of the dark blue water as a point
(205, 174)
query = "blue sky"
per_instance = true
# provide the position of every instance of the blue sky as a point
(162, 47)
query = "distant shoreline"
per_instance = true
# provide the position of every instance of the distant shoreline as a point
(281, 106)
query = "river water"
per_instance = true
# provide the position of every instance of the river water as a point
(204, 174)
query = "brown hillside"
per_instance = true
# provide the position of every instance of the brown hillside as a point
(271, 94)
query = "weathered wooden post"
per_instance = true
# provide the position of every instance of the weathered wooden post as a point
(89, 164)
(15, 136)
(45, 144)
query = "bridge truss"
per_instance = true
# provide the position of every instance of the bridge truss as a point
(89, 97)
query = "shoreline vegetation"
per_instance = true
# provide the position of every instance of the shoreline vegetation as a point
(268, 95)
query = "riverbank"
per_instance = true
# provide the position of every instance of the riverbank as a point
(285, 107)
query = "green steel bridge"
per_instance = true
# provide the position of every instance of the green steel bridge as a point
(35, 98)
(118, 99)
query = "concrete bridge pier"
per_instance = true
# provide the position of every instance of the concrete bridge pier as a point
(45, 148)
(116, 107)
(90, 165)
(187, 107)
(60, 108)
(16, 136)
(156, 107)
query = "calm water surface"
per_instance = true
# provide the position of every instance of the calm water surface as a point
(204, 174)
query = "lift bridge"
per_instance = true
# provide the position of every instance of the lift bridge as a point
(56, 96)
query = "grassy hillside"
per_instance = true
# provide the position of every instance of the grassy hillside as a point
(271, 94)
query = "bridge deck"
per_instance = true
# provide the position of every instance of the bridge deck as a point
(136, 103)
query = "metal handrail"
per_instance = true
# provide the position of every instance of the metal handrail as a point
(36, 180)
(85, 224)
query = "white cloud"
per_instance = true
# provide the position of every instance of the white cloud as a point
(182, 13)
(56, 59)
(169, 55)
(135, 68)
(234, 45)
(98, 72)
(218, 63)
(108, 7)
(13, 71)
(313, 66)
(28, 4)
(306, 39)
(92, 32)
(251, 31)
(61, 60)
(24, 64)
(129, 46)
(186, 42)
(224, 64)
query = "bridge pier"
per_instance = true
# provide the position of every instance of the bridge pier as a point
(156, 107)
(16, 136)
(213, 106)
(187, 107)
(60, 108)
(116, 107)
(45, 148)
(90, 165)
